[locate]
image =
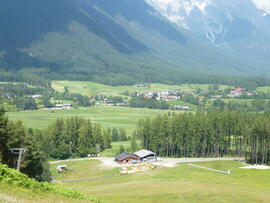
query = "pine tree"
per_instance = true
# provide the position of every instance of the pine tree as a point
(121, 149)
(86, 140)
(122, 135)
(35, 163)
(115, 135)
(133, 144)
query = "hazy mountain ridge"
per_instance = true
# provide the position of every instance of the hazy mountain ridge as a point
(219, 21)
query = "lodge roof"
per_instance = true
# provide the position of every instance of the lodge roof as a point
(144, 153)
(123, 156)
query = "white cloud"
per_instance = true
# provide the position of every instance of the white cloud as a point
(263, 4)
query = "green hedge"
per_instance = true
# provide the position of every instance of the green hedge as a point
(13, 177)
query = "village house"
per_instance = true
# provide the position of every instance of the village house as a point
(126, 158)
(236, 92)
(186, 107)
(174, 92)
(135, 94)
(121, 104)
(201, 98)
(108, 102)
(37, 96)
(63, 106)
(142, 86)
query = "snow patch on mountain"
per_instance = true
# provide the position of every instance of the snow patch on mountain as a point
(216, 20)
(263, 5)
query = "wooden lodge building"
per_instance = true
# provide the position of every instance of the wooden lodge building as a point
(139, 156)
(146, 155)
(126, 158)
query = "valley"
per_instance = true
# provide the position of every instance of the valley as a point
(135, 101)
(111, 115)
(178, 184)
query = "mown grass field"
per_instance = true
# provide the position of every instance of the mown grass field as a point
(168, 185)
(107, 116)
(92, 88)
(265, 89)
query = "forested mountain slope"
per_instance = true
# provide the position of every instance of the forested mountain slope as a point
(114, 42)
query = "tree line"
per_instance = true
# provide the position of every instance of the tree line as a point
(65, 138)
(74, 137)
(211, 134)
(14, 135)
(253, 106)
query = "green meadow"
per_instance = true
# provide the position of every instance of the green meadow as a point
(265, 89)
(92, 88)
(168, 185)
(107, 116)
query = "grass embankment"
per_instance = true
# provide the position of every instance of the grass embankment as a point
(180, 184)
(107, 116)
(93, 89)
(16, 186)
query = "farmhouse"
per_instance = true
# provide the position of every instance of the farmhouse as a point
(37, 96)
(146, 155)
(108, 102)
(63, 106)
(236, 92)
(126, 158)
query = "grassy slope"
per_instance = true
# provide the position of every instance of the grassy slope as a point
(82, 170)
(9, 193)
(180, 184)
(107, 116)
(92, 88)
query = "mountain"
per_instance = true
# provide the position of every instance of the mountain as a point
(222, 21)
(114, 42)
(242, 25)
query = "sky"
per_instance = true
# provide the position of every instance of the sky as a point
(263, 4)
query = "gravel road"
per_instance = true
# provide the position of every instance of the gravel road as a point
(108, 162)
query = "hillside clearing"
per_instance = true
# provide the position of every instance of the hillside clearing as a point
(178, 184)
